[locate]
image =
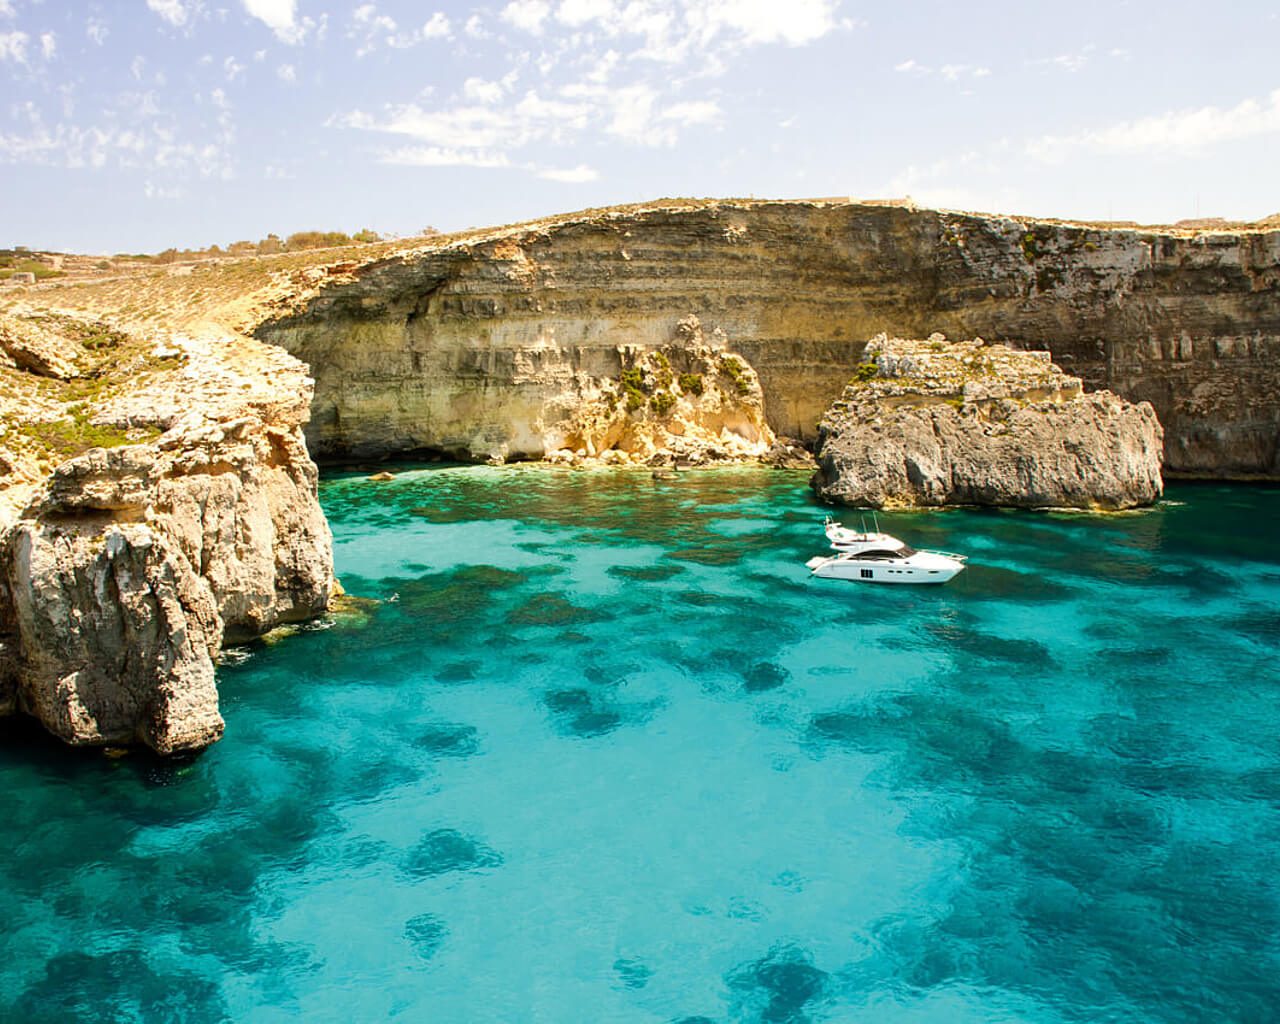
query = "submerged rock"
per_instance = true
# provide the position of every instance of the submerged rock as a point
(946, 423)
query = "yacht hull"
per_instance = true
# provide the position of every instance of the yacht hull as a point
(919, 568)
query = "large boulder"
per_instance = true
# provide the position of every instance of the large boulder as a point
(122, 579)
(941, 423)
(118, 636)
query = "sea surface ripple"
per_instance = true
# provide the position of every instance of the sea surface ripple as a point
(605, 752)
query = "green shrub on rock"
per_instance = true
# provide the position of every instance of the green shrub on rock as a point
(663, 402)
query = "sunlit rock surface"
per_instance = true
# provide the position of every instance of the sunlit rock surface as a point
(468, 345)
(129, 566)
(941, 423)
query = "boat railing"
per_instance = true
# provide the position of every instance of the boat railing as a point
(944, 554)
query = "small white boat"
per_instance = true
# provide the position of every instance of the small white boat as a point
(877, 557)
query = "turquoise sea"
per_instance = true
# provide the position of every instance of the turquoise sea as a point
(604, 752)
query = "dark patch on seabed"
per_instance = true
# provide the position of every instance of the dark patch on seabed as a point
(593, 758)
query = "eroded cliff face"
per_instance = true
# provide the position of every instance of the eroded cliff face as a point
(964, 423)
(475, 346)
(128, 567)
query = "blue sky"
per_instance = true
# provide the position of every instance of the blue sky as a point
(139, 124)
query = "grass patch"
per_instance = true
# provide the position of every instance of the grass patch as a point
(71, 437)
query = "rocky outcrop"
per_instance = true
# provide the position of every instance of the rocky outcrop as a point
(690, 400)
(27, 346)
(940, 423)
(463, 345)
(130, 567)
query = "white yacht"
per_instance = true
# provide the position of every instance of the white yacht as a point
(879, 558)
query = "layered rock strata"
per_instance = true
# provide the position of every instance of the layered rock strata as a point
(463, 344)
(941, 423)
(128, 568)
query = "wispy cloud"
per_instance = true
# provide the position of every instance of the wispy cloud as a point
(281, 16)
(176, 12)
(527, 15)
(436, 156)
(603, 67)
(13, 46)
(1184, 131)
(436, 27)
(131, 132)
(571, 175)
(951, 72)
(371, 28)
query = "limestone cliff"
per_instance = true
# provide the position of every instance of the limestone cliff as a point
(463, 344)
(123, 572)
(941, 423)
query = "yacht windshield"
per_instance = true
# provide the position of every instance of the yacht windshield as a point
(902, 552)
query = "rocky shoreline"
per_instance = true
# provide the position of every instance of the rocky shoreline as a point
(158, 496)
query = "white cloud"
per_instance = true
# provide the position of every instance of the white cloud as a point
(698, 112)
(434, 156)
(526, 14)
(633, 116)
(279, 16)
(1070, 62)
(13, 46)
(367, 14)
(6, 9)
(437, 27)
(287, 73)
(131, 132)
(463, 128)
(951, 72)
(578, 12)
(765, 21)
(631, 69)
(136, 67)
(96, 31)
(532, 108)
(481, 91)
(1185, 131)
(571, 175)
(175, 12)
(232, 68)
(153, 191)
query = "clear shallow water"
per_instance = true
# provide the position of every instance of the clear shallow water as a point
(605, 753)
